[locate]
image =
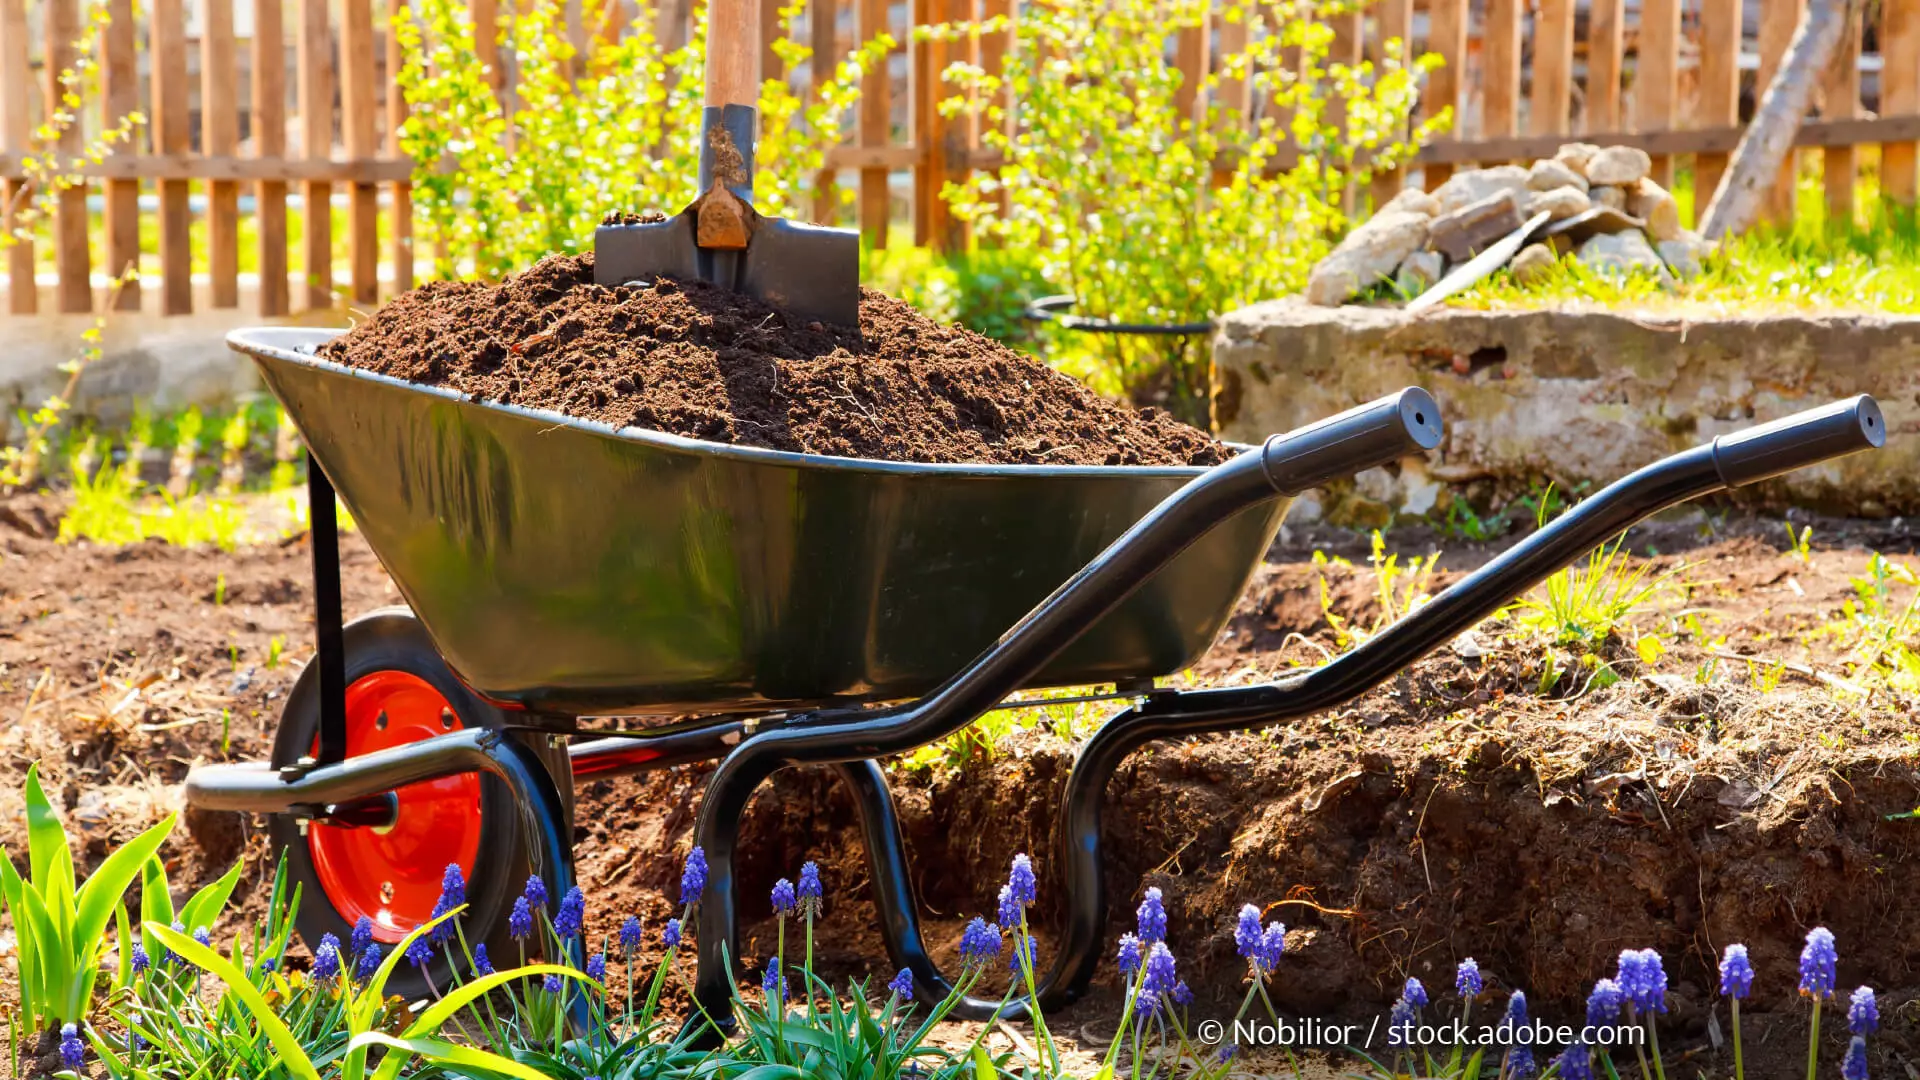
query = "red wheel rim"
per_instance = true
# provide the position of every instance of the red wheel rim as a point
(393, 875)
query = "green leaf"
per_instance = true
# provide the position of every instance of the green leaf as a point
(982, 1064)
(431, 1019)
(56, 972)
(276, 1030)
(440, 1051)
(103, 891)
(156, 902)
(50, 863)
(123, 938)
(205, 907)
(14, 889)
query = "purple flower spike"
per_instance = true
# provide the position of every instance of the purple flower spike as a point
(73, 1052)
(520, 919)
(1021, 880)
(573, 914)
(1863, 1012)
(1415, 993)
(420, 953)
(536, 892)
(1520, 1064)
(326, 958)
(1603, 1005)
(597, 967)
(482, 967)
(1576, 1063)
(1152, 918)
(362, 935)
(1400, 1024)
(551, 985)
(1129, 955)
(141, 961)
(902, 985)
(1854, 1065)
(369, 963)
(1161, 976)
(784, 901)
(630, 936)
(980, 942)
(202, 935)
(1517, 1010)
(453, 886)
(774, 984)
(1818, 964)
(1008, 912)
(1181, 994)
(1021, 958)
(693, 879)
(1246, 935)
(1273, 944)
(1736, 973)
(812, 896)
(1466, 979)
(670, 937)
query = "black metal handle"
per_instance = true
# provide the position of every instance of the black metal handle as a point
(1794, 442)
(1376, 433)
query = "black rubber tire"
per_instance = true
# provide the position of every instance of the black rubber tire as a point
(392, 639)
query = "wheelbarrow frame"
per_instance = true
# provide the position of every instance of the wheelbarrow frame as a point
(851, 739)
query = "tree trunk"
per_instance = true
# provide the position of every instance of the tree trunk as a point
(1756, 161)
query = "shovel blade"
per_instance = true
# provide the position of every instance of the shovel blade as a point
(810, 270)
(624, 253)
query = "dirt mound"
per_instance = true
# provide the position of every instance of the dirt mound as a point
(704, 362)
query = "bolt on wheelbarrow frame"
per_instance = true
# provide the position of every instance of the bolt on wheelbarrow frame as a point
(326, 787)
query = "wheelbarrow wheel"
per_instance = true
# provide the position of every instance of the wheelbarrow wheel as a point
(399, 691)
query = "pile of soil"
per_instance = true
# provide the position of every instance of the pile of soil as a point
(691, 359)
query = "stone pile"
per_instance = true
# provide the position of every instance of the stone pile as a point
(1629, 224)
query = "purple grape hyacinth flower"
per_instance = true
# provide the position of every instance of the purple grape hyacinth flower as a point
(670, 937)
(1152, 914)
(630, 936)
(1225, 1053)
(73, 1052)
(1273, 944)
(326, 958)
(597, 967)
(1603, 1005)
(551, 985)
(1028, 955)
(1517, 1010)
(573, 914)
(202, 936)
(1400, 1024)
(1576, 1063)
(1008, 912)
(141, 961)
(369, 962)
(520, 919)
(979, 942)
(1246, 933)
(1129, 954)
(1520, 1065)
(453, 886)
(1020, 879)
(1643, 980)
(1181, 994)
(1415, 993)
(1854, 1065)
(1161, 975)
(482, 967)
(1818, 964)
(784, 901)
(812, 896)
(1863, 1012)
(1466, 979)
(693, 877)
(420, 953)
(362, 937)
(536, 892)
(774, 984)
(1736, 973)
(902, 985)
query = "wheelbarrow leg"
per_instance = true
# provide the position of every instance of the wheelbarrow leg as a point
(330, 651)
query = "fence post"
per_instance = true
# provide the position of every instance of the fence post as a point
(1550, 108)
(357, 105)
(120, 87)
(771, 30)
(1447, 39)
(1656, 76)
(1395, 22)
(1719, 90)
(1842, 81)
(821, 19)
(400, 192)
(876, 112)
(172, 136)
(315, 76)
(1604, 45)
(994, 49)
(23, 294)
(270, 141)
(1500, 70)
(220, 137)
(1900, 95)
(1778, 20)
(62, 19)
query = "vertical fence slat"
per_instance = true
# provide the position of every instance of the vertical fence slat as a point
(61, 19)
(486, 39)
(1394, 19)
(1656, 78)
(822, 18)
(1605, 25)
(359, 132)
(220, 137)
(1190, 55)
(927, 135)
(1900, 95)
(1500, 71)
(1778, 19)
(993, 55)
(16, 109)
(315, 101)
(1447, 39)
(270, 141)
(1842, 81)
(771, 30)
(400, 192)
(1236, 94)
(1344, 49)
(1549, 111)
(876, 113)
(1719, 102)
(167, 57)
(120, 91)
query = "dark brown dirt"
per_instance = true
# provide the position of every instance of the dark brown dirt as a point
(1455, 812)
(707, 363)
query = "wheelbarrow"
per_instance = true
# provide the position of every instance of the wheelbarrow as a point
(803, 610)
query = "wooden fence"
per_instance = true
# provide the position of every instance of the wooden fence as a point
(1521, 75)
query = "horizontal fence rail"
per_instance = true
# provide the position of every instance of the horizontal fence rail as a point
(261, 111)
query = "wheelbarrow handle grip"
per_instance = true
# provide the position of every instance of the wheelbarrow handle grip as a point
(1374, 434)
(733, 54)
(1794, 442)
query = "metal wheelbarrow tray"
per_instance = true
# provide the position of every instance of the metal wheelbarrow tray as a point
(565, 567)
(818, 612)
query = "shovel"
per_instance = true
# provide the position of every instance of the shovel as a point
(809, 270)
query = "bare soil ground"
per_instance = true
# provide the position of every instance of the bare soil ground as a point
(1457, 811)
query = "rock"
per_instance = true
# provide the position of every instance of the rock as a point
(1652, 204)
(1576, 156)
(1683, 253)
(1533, 265)
(1412, 199)
(1561, 202)
(1622, 252)
(1419, 272)
(1369, 254)
(1461, 234)
(1620, 165)
(1466, 188)
(1609, 196)
(1550, 173)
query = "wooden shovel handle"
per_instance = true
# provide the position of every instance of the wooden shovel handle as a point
(733, 54)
